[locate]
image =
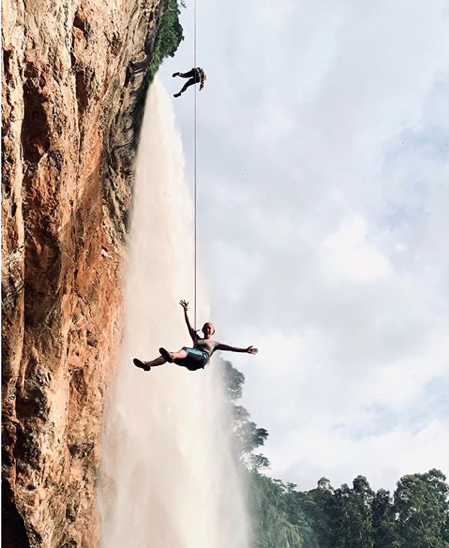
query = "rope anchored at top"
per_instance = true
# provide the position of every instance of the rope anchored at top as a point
(194, 166)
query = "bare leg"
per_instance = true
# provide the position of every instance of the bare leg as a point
(180, 355)
(146, 366)
(157, 361)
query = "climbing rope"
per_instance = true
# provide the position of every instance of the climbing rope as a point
(194, 157)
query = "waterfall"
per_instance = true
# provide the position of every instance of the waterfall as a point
(167, 477)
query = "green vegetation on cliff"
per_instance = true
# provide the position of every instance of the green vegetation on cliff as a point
(168, 36)
(415, 516)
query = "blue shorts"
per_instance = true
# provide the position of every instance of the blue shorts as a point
(196, 359)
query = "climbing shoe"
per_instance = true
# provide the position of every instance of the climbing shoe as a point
(177, 95)
(175, 74)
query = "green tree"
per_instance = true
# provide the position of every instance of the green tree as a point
(169, 35)
(420, 501)
(284, 517)
(279, 521)
(258, 462)
(351, 516)
(250, 437)
(233, 381)
(384, 521)
(318, 507)
(247, 435)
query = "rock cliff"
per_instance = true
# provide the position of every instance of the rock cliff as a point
(67, 187)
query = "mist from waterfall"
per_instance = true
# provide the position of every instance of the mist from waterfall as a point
(167, 477)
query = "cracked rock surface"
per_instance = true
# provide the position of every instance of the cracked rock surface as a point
(66, 195)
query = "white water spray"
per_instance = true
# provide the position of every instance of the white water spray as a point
(167, 476)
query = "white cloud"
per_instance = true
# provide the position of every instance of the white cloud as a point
(322, 144)
(348, 254)
(314, 453)
(403, 380)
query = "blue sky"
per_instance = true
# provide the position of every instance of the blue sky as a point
(323, 228)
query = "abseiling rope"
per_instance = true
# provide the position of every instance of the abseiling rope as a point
(194, 157)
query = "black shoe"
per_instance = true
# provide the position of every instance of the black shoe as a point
(175, 74)
(165, 354)
(177, 95)
(141, 364)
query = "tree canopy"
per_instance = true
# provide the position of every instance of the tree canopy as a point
(415, 516)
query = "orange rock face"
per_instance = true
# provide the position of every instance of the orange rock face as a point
(66, 193)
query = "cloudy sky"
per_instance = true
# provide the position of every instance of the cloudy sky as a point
(323, 224)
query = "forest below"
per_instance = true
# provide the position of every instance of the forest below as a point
(416, 515)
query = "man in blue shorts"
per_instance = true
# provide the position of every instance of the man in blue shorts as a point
(196, 357)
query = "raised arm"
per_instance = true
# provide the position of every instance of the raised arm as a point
(192, 332)
(249, 350)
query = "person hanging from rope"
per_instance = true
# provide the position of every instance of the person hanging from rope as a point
(196, 75)
(192, 358)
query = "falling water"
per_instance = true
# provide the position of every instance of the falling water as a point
(167, 476)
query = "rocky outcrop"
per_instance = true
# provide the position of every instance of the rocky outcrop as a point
(67, 186)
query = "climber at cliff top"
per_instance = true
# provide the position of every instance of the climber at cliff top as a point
(198, 356)
(196, 75)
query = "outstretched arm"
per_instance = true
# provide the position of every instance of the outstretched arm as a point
(192, 332)
(249, 350)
